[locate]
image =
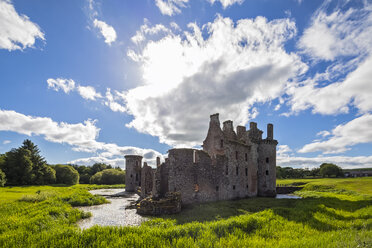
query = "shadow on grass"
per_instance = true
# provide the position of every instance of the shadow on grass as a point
(297, 210)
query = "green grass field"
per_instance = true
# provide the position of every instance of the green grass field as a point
(332, 213)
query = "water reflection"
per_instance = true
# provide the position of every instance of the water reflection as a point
(114, 213)
(285, 196)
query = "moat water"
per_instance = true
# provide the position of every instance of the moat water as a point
(285, 196)
(114, 213)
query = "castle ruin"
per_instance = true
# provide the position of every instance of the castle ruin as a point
(231, 165)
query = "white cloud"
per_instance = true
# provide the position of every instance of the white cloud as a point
(170, 7)
(88, 92)
(107, 31)
(188, 76)
(323, 133)
(113, 101)
(57, 84)
(283, 150)
(81, 136)
(5, 142)
(356, 131)
(145, 29)
(226, 3)
(335, 98)
(16, 31)
(332, 37)
(73, 134)
(339, 33)
(345, 162)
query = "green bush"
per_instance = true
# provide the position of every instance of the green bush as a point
(66, 174)
(2, 178)
(330, 170)
(109, 176)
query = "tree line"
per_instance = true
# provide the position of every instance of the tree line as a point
(25, 166)
(324, 170)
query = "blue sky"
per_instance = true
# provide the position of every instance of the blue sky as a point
(91, 81)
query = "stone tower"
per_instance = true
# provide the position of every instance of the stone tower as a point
(267, 164)
(132, 172)
(214, 142)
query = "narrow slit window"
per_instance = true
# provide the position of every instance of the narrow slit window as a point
(246, 157)
(196, 187)
(136, 176)
(267, 172)
(246, 186)
(227, 170)
(221, 143)
(237, 170)
(236, 154)
(217, 188)
(267, 160)
(246, 171)
(233, 187)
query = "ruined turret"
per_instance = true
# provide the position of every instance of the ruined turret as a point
(214, 142)
(267, 164)
(132, 172)
(228, 130)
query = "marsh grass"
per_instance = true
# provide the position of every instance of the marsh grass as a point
(327, 216)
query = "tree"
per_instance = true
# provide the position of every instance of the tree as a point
(66, 174)
(25, 165)
(2, 178)
(97, 167)
(18, 167)
(49, 175)
(330, 170)
(109, 176)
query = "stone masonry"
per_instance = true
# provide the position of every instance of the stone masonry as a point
(231, 165)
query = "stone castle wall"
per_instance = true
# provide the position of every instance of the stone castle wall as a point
(231, 165)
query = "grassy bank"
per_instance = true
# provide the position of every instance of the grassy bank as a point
(329, 215)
